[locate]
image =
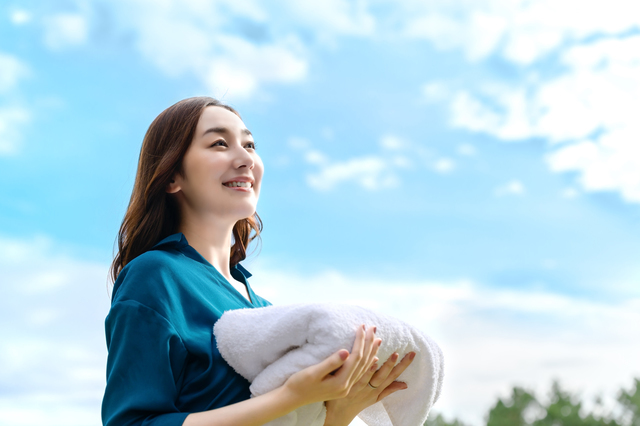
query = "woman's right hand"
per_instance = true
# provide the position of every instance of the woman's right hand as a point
(331, 379)
(334, 377)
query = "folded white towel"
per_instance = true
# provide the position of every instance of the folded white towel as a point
(267, 345)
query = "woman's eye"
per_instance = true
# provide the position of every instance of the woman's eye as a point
(250, 145)
(219, 143)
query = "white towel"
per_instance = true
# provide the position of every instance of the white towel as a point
(267, 345)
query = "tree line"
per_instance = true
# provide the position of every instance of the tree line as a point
(522, 408)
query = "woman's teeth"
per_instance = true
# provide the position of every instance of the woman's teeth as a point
(240, 184)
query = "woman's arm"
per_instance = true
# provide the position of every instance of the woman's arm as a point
(331, 379)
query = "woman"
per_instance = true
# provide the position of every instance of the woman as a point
(191, 216)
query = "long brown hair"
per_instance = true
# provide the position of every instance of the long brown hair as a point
(153, 214)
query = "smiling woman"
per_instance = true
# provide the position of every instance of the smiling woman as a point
(218, 184)
(191, 216)
(152, 215)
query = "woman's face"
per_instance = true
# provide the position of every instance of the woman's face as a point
(221, 171)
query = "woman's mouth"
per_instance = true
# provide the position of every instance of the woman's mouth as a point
(235, 184)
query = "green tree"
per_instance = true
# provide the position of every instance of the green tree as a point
(564, 410)
(438, 420)
(631, 403)
(512, 411)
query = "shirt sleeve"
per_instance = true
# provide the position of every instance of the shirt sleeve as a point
(144, 368)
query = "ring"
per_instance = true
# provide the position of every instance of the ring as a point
(371, 386)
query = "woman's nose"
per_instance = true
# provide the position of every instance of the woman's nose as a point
(243, 159)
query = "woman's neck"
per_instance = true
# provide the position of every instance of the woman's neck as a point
(212, 239)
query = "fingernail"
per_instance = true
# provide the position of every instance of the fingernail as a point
(374, 367)
(363, 327)
(344, 354)
(379, 342)
(405, 386)
(394, 357)
(375, 329)
(412, 355)
(375, 359)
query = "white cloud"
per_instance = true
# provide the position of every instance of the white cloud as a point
(12, 120)
(470, 113)
(590, 107)
(204, 39)
(20, 17)
(516, 337)
(590, 112)
(13, 69)
(53, 351)
(316, 157)
(444, 165)
(244, 66)
(331, 18)
(520, 31)
(371, 173)
(514, 187)
(391, 143)
(479, 33)
(609, 163)
(12, 116)
(66, 30)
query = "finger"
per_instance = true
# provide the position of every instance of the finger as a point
(355, 357)
(374, 365)
(399, 369)
(393, 387)
(368, 346)
(375, 345)
(367, 354)
(383, 373)
(364, 380)
(374, 350)
(371, 371)
(331, 363)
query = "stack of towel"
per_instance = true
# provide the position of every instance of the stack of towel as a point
(267, 345)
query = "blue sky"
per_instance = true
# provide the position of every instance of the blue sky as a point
(470, 167)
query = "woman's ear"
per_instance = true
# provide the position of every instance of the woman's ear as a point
(174, 185)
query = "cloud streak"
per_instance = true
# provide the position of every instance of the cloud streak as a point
(374, 171)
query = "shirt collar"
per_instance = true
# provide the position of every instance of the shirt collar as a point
(178, 240)
(175, 240)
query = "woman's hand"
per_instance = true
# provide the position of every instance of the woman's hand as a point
(341, 380)
(372, 387)
(335, 376)
(332, 378)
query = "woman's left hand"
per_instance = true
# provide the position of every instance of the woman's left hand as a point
(375, 385)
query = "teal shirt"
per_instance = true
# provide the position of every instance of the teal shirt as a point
(163, 360)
